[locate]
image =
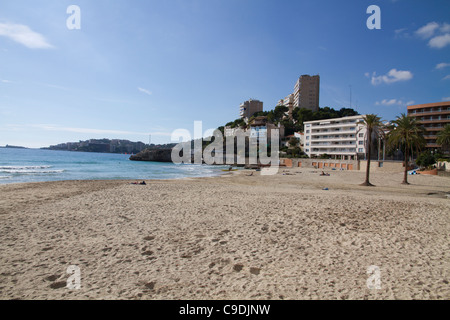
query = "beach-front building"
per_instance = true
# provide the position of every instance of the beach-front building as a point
(301, 138)
(340, 138)
(249, 108)
(261, 128)
(433, 117)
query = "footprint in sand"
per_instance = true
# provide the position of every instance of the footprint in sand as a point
(150, 285)
(147, 253)
(238, 267)
(58, 285)
(255, 271)
(52, 278)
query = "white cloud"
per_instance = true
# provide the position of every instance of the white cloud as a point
(439, 34)
(402, 33)
(387, 102)
(5, 81)
(447, 77)
(428, 30)
(398, 31)
(145, 91)
(393, 102)
(446, 99)
(392, 76)
(442, 65)
(440, 42)
(445, 28)
(24, 35)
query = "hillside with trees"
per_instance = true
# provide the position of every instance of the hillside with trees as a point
(299, 117)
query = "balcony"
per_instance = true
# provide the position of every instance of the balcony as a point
(334, 125)
(330, 145)
(332, 139)
(332, 153)
(434, 121)
(412, 113)
(331, 133)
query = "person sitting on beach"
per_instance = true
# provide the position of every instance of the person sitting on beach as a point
(325, 174)
(141, 183)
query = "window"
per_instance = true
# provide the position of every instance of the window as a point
(361, 135)
(307, 138)
(360, 150)
(361, 143)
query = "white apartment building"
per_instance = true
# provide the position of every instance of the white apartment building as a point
(306, 92)
(249, 108)
(341, 138)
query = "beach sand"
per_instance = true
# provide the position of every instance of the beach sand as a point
(229, 237)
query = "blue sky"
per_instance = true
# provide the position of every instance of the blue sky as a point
(141, 67)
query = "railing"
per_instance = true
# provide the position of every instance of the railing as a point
(334, 132)
(429, 111)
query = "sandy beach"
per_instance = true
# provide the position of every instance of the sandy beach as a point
(229, 237)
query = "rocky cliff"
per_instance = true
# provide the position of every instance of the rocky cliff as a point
(160, 155)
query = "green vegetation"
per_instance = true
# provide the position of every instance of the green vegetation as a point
(426, 159)
(293, 142)
(236, 123)
(443, 137)
(303, 115)
(407, 134)
(107, 146)
(299, 117)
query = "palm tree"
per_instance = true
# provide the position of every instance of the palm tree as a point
(443, 137)
(407, 133)
(373, 126)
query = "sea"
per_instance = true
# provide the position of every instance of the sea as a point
(37, 165)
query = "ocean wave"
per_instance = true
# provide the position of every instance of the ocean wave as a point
(23, 167)
(4, 177)
(30, 171)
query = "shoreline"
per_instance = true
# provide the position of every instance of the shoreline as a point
(232, 237)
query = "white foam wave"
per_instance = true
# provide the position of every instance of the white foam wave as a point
(30, 171)
(23, 167)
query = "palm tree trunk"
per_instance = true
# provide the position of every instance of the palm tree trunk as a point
(405, 177)
(367, 182)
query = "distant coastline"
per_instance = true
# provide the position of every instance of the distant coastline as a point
(14, 147)
(117, 146)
